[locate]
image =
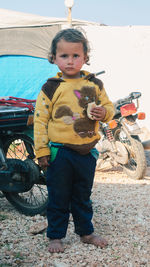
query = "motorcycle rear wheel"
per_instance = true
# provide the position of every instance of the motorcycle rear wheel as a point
(136, 165)
(35, 200)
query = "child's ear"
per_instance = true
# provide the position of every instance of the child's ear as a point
(85, 58)
(54, 58)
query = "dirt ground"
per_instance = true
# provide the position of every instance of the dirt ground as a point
(121, 214)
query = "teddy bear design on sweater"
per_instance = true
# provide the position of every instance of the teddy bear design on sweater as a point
(84, 126)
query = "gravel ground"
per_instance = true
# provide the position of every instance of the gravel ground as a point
(121, 214)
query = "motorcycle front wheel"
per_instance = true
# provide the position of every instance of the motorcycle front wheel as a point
(136, 165)
(35, 200)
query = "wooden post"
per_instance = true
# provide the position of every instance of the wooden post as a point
(69, 17)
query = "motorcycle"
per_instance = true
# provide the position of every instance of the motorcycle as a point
(22, 181)
(120, 144)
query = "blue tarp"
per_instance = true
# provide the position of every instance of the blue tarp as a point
(23, 76)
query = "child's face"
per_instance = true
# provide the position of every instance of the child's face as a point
(70, 58)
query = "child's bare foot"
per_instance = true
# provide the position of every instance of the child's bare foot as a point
(56, 245)
(94, 240)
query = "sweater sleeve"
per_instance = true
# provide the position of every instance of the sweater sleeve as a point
(42, 116)
(105, 102)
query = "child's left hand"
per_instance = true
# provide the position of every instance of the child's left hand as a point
(98, 113)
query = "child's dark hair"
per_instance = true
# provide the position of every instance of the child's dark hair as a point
(69, 35)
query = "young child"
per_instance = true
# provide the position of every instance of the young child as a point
(61, 119)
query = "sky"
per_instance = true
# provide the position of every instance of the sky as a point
(109, 12)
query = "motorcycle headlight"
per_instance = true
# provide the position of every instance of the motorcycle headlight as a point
(128, 109)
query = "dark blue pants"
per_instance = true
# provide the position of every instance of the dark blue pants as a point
(69, 182)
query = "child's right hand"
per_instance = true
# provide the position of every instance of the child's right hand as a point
(44, 162)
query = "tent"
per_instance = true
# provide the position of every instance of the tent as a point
(123, 52)
(25, 41)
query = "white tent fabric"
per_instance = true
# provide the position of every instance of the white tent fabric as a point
(14, 19)
(124, 53)
(27, 34)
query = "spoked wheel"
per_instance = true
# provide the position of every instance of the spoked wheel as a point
(136, 165)
(35, 200)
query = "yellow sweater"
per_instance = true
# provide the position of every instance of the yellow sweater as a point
(61, 117)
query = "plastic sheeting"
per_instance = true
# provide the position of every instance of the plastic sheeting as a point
(23, 76)
(29, 34)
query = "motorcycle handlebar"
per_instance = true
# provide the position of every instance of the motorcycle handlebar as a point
(100, 72)
(129, 98)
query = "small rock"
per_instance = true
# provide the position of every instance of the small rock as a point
(60, 264)
(38, 227)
